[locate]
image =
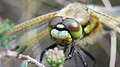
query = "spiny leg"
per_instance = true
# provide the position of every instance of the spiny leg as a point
(82, 57)
(70, 55)
(89, 55)
(44, 51)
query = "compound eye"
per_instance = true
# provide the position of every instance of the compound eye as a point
(71, 24)
(53, 22)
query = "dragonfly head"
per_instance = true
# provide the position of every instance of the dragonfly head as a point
(65, 29)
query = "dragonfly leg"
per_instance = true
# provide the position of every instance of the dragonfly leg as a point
(89, 55)
(70, 55)
(75, 59)
(43, 52)
(82, 57)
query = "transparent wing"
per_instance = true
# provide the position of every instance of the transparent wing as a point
(32, 30)
(36, 22)
(107, 20)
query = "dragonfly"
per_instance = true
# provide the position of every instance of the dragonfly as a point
(76, 24)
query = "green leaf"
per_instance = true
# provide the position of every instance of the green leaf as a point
(4, 43)
(11, 38)
(22, 48)
(7, 28)
(2, 31)
(24, 64)
(12, 25)
(7, 21)
(1, 25)
(8, 46)
(4, 38)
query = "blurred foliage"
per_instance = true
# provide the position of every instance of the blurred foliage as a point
(24, 64)
(21, 49)
(5, 38)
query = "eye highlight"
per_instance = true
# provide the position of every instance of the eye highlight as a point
(71, 24)
(53, 22)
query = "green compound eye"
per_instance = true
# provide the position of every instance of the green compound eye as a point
(55, 21)
(74, 27)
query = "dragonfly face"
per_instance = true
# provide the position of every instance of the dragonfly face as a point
(64, 30)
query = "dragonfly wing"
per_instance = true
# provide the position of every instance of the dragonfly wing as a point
(30, 29)
(36, 22)
(108, 21)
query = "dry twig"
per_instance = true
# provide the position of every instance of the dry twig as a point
(10, 53)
